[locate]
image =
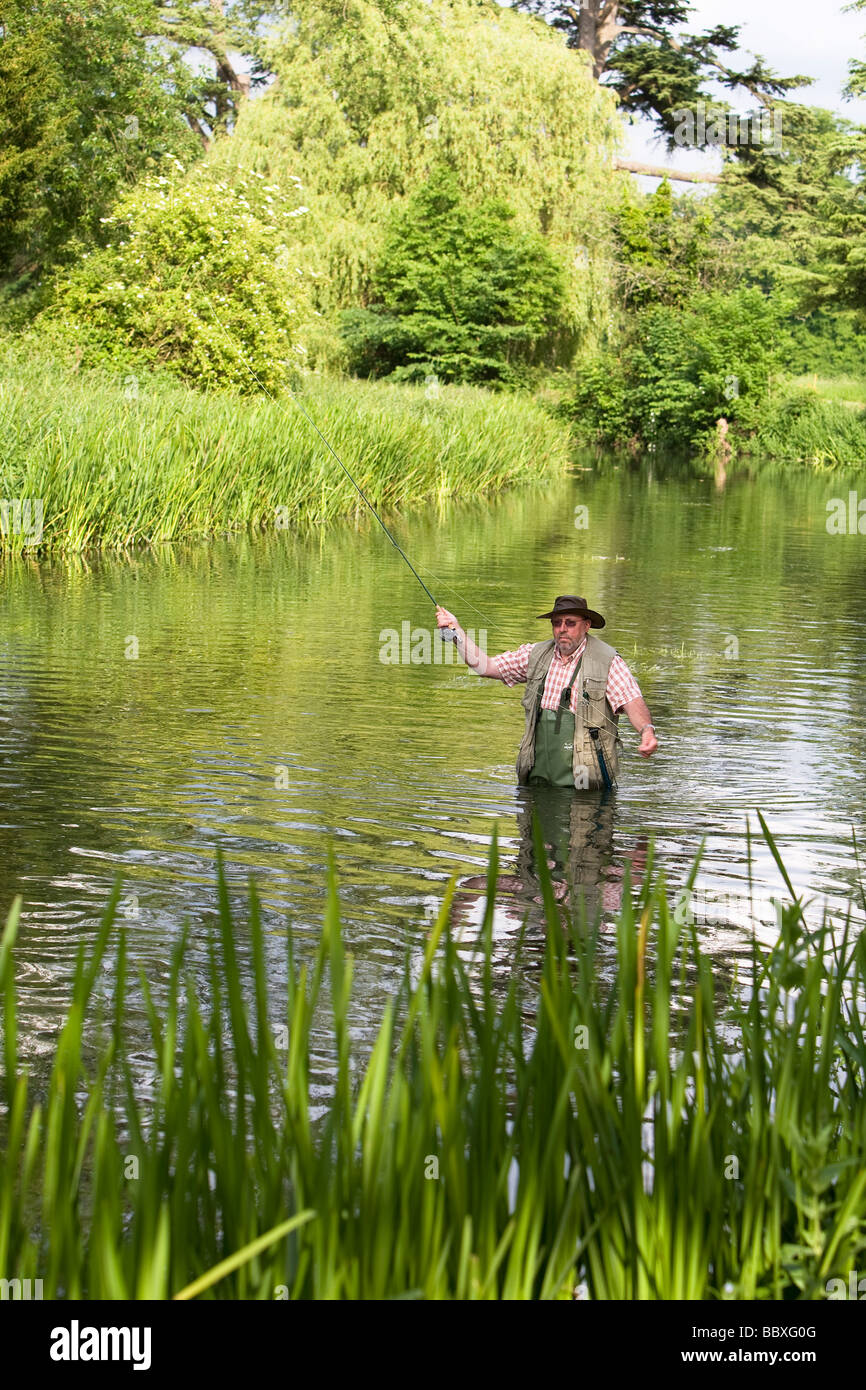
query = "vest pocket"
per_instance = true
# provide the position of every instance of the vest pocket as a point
(594, 688)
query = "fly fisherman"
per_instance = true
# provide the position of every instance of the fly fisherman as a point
(576, 688)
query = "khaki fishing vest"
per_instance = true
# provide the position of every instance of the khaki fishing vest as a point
(594, 721)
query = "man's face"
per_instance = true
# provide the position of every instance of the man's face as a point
(568, 632)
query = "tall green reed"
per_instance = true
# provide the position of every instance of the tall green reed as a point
(657, 1137)
(123, 460)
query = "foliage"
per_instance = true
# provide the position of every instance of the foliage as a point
(86, 106)
(32, 124)
(796, 218)
(682, 370)
(459, 293)
(199, 277)
(638, 50)
(371, 99)
(826, 341)
(798, 423)
(856, 84)
(599, 405)
(666, 248)
(484, 1148)
(125, 458)
(210, 102)
(784, 226)
(693, 343)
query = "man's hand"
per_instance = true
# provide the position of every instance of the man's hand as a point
(477, 660)
(648, 743)
(641, 721)
(446, 619)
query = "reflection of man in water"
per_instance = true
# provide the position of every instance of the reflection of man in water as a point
(576, 687)
(577, 833)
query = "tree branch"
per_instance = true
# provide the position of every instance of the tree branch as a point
(651, 33)
(741, 81)
(659, 171)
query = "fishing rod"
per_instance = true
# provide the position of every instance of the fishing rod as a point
(448, 634)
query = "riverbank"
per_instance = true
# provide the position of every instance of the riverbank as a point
(816, 420)
(813, 420)
(93, 459)
(481, 1148)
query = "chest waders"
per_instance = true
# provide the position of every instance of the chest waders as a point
(592, 731)
(554, 740)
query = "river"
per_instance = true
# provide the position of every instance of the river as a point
(241, 695)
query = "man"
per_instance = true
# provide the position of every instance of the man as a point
(576, 688)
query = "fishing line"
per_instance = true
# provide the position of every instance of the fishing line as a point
(360, 491)
(450, 587)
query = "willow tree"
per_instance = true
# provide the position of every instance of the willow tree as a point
(369, 99)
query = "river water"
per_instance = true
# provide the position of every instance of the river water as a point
(242, 695)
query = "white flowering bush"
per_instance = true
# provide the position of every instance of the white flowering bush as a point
(199, 276)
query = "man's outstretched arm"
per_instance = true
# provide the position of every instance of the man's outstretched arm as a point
(476, 660)
(641, 719)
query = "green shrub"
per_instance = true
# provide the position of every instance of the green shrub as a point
(460, 293)
(681, 370)
(664, 248)
(599, 403)
(825, 342)
(797, 424)
(198, 277)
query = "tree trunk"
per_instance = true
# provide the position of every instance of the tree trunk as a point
(587, 34)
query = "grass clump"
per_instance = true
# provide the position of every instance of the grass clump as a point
(122, 459)
(654, 1137)
(816, 422)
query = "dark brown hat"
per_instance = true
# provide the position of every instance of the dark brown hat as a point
(570, 603)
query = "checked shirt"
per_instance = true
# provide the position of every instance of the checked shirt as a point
(621, 684)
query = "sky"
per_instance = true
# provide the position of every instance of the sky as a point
(813, 37)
